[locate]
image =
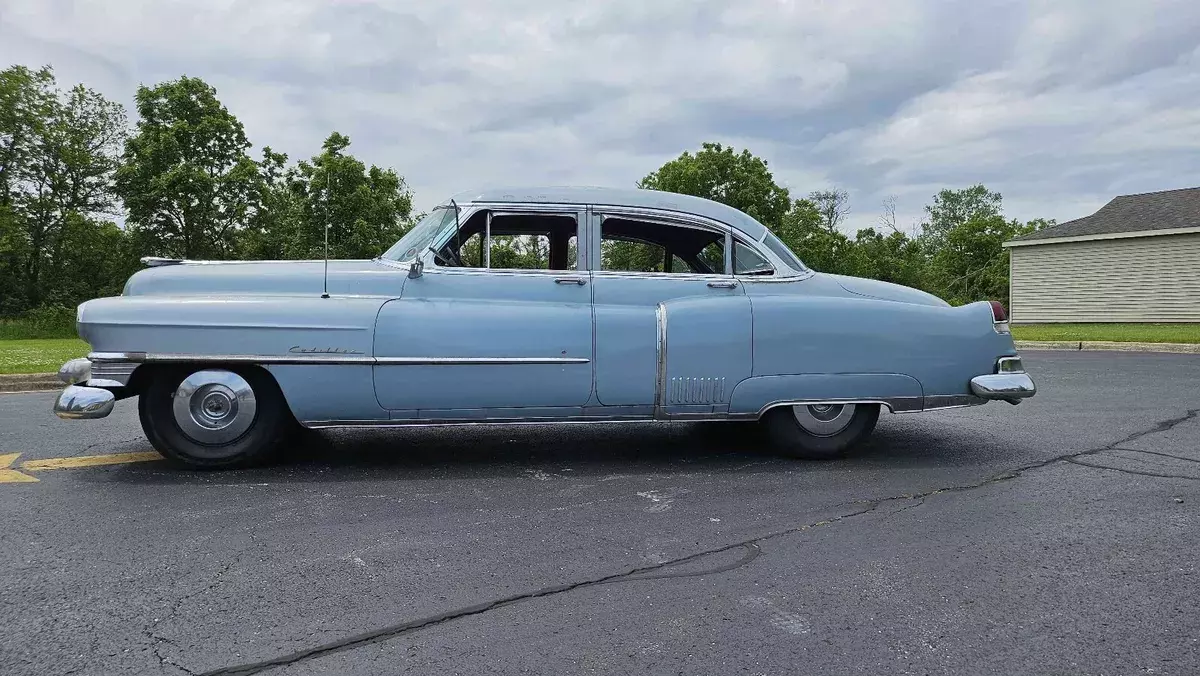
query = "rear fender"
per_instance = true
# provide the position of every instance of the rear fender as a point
(942, 347)
(754, 396)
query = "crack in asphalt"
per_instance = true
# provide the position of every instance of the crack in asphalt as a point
(1138, 472)
(751, 546)
(1165, 455)
(157, 639)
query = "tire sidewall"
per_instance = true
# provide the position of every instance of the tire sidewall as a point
(254, 446)
(797, 442)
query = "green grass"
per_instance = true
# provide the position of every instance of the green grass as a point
(39, 356)
(1124, 333)
(44, 325)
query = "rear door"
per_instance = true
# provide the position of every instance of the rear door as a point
(672, 326)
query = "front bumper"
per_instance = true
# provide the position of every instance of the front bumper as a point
(80, 402)
(1010, 382)
(92, 388)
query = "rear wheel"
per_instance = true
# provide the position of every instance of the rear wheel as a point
(214, 418)
(820, 431)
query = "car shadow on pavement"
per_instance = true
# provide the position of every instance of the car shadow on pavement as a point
(641, 448)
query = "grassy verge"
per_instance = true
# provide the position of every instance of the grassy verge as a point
(39, 356)
(1124, 333)
(51, 323)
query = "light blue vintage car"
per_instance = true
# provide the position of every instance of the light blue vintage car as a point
(533, 305)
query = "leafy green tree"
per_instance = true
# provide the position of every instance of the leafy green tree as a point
(952, 208)
(186, 179)
(821, 248)
(365, 209)
(59, 153)
(716, 172)
(271, 228)
(972, 265)
(889, 257)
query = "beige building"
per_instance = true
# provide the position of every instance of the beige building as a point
(1137, 259)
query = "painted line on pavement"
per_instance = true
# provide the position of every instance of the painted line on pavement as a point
(10, 475)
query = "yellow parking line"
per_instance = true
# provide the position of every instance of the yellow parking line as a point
(87, 461)
(12, 476)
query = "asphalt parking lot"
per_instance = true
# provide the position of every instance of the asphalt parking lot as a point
(1059, 536)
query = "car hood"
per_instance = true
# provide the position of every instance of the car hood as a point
(207, 278)
(872, 288)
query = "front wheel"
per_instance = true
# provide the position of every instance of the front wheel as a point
(213, 418)
(820, 431)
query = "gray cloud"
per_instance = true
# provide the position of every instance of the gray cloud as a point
(1057, 104)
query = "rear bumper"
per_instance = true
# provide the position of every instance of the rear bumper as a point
(1010, 387)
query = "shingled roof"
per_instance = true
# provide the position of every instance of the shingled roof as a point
(1149, 211)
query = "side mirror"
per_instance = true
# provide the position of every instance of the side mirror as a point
(416, 268)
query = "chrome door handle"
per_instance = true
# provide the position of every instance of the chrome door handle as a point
(571, 280)
(723, 285)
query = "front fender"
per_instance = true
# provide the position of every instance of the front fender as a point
(246, 325)
(291, 337)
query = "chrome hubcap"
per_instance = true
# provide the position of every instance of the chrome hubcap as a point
(823, 420)
(214, 406)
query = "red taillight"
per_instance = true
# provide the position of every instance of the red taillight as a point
(998, 313)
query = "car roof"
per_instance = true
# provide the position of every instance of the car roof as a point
(626, 197)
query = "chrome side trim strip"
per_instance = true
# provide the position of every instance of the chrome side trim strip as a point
(147, 357)
(465, 422)
(434, 361)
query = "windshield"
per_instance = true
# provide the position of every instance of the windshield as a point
(421, 236)
(780, 249)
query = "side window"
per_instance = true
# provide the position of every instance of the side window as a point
(631, 245)
(514, 242)
(747, 261)
(631, 255)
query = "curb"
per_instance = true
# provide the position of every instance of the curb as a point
(1107, 346)
(30, 382)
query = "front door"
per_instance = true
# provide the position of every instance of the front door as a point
(498, 325)
(672, 327)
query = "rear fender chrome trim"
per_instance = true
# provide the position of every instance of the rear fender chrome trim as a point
(943, 401)
(894, 404)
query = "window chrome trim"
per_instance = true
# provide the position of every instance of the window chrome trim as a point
(670, 218)
(175, 358)
(572, 211)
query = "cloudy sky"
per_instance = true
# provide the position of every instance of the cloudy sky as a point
(1058, 105)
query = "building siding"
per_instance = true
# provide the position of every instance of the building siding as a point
(1141, 279)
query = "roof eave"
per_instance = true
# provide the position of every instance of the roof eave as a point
(1101, 236)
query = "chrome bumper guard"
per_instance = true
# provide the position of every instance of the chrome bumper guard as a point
(90, 385)
(1009, 383)
(79, 402)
